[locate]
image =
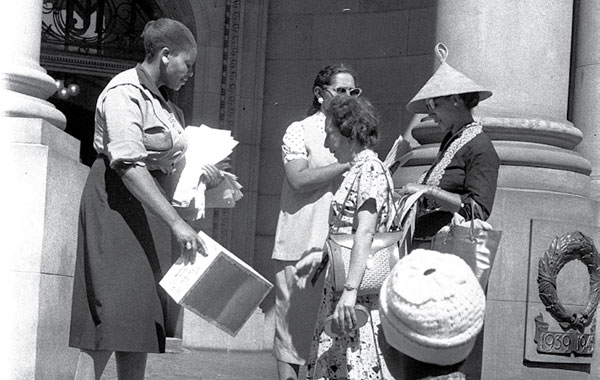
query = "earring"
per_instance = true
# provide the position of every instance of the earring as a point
(165, 60)
(320, 100)
(455, 104)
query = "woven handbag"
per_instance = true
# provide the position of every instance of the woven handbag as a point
(384, 249)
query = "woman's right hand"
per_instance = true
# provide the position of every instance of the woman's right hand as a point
(188, 241)
(306, 266)
(344, 314)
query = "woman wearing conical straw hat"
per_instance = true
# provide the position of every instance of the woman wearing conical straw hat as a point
(419, 341)
(466, 166)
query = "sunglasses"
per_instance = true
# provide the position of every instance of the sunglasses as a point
(345, 91)
(431, 103)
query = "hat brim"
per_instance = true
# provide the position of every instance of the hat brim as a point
(433, 355)
(439, 353)
(419, 105)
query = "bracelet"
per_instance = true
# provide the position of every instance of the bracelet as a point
(349, 287)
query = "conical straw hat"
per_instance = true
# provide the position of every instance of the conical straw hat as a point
(445, 81)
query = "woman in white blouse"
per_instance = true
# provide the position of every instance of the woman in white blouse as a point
(311, 174)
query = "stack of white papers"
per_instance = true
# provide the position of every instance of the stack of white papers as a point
(206, 146)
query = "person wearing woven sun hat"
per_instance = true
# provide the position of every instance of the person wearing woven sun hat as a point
(466, 166)
(431, 308)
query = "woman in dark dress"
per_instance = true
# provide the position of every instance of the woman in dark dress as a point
(128, 228)
(466, 167)
(465, 172)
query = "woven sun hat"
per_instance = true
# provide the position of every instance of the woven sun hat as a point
(432, 307)
(445, 81)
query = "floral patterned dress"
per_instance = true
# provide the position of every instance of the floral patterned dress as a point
(356, 355)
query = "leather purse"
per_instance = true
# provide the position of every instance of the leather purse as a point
(385, 249)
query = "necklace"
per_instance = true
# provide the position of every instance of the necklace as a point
(434, 176)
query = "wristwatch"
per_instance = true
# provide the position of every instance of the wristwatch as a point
(349, 287)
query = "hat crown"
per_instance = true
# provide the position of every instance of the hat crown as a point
(445, 81)
(432, 307)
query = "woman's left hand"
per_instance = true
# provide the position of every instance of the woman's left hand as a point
(411, 188)
(344, 314)
(212, 175)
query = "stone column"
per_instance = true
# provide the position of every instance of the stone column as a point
(45, 180)
(586, 93)
(586, 115)
(24, 84)
(520, 50)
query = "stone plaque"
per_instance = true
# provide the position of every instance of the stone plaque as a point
(560, 317)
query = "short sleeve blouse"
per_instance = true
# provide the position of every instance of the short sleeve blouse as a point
(136, 124)
(294, 144)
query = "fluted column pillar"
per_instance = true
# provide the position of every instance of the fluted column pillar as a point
(586, 112)
(521, 51)
(24, 84)
(45, 179)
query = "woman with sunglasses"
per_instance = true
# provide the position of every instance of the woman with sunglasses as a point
(311, 174)
(466, 167)
(464, 172)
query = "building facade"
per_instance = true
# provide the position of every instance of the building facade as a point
(256, 65)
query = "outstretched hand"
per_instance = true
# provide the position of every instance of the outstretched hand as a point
(306, 266)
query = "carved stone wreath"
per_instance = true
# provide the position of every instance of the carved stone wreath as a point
(563, 249)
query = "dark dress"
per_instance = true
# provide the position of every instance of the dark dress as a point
(123, 248)
(472, 173)
(123, 251)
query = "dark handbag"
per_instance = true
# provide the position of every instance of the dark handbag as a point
(476, 246)
(384, 249)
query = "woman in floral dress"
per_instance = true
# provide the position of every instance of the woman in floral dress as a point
(351, 128)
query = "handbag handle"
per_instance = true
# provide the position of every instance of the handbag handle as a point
(390, 199)
(474, 207)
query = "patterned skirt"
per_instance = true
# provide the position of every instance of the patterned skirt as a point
(353, 356)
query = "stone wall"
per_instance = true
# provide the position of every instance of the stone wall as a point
(388, 44)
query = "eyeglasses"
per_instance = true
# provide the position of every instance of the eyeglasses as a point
(345, 91)
(430, 103)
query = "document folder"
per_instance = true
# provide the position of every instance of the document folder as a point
(219, 287)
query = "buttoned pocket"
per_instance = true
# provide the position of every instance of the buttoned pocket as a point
(157, 138)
